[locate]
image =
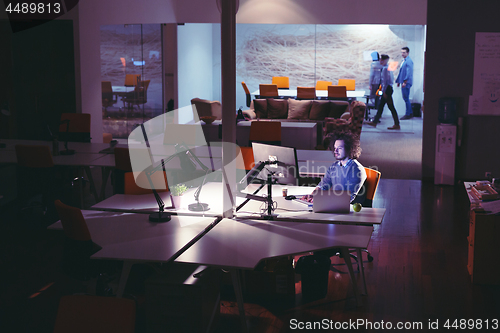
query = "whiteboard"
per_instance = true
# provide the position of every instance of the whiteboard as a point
(486, 86)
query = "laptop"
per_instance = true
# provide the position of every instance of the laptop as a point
(330, 201)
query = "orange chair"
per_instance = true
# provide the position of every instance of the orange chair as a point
(122, 165)
(248, 160)
(132, 80)
(283, 82)
(132, 185)
(371, 185)
(97, 314)
(107, 137)
(75, 127)
(350, 84)
(268, 132)
(323, 85)
(268, 90)
(247, 93)
(78, 245)
(337, 92)
(306, 93)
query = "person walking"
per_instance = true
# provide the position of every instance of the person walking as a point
(405, 79)
(387, 80)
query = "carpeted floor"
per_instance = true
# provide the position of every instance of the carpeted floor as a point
(397, 154)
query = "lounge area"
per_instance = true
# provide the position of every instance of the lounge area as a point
(92, 242)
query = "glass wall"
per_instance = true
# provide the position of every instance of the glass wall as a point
(304, 52)
(131, 64)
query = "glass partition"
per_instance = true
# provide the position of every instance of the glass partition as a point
(131, 75)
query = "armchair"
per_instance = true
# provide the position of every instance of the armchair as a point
(353, 123)
(205, 107)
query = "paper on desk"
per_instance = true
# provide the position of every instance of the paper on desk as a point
(492, 207)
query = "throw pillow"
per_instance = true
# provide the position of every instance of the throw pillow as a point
(319, 110)
(337, 109)
(277, 108)
(298, 109)
(260, 106)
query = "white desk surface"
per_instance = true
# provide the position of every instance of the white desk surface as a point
(132, 237)
(211, 194)
(319, 93)
(293, 210)
(242, 244)
(121, 89)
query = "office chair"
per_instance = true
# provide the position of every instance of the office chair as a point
(335, 92)
(78, 245)
(122, 165)
(247, 93)
(247, 159)
(108, 98)
(97, 314)
(370, 188)
(323, 85)
(132, 80)
(348, 83)
(36, 175)
(268, 90)
(268, 132)
(306, 93)
(133, 185)
(138, 96)
(74, 127)
(283, 82)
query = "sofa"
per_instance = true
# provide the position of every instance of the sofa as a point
(292, 110)
(295, 110)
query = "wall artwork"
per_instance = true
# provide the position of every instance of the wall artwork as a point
(307, 53)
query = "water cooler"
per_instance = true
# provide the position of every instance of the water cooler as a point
(446, 138)
(444, 169)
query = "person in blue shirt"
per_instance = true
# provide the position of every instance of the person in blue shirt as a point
(346, 173)
(405, 79)
(387, 80)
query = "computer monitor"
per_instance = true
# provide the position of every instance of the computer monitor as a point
(287, 172)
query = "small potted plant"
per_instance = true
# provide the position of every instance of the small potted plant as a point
(176, 192)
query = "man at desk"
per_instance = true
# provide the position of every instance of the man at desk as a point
(346, 173)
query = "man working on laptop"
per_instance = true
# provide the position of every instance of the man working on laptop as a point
(346, 174)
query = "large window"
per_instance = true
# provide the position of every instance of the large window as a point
(131, 60)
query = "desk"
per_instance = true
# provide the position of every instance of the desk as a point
(122, 90)
(484, 232)
(242, 244)
(293, 210)
(86, 155)
(211, 193)
(133, 239)
(319, 93)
